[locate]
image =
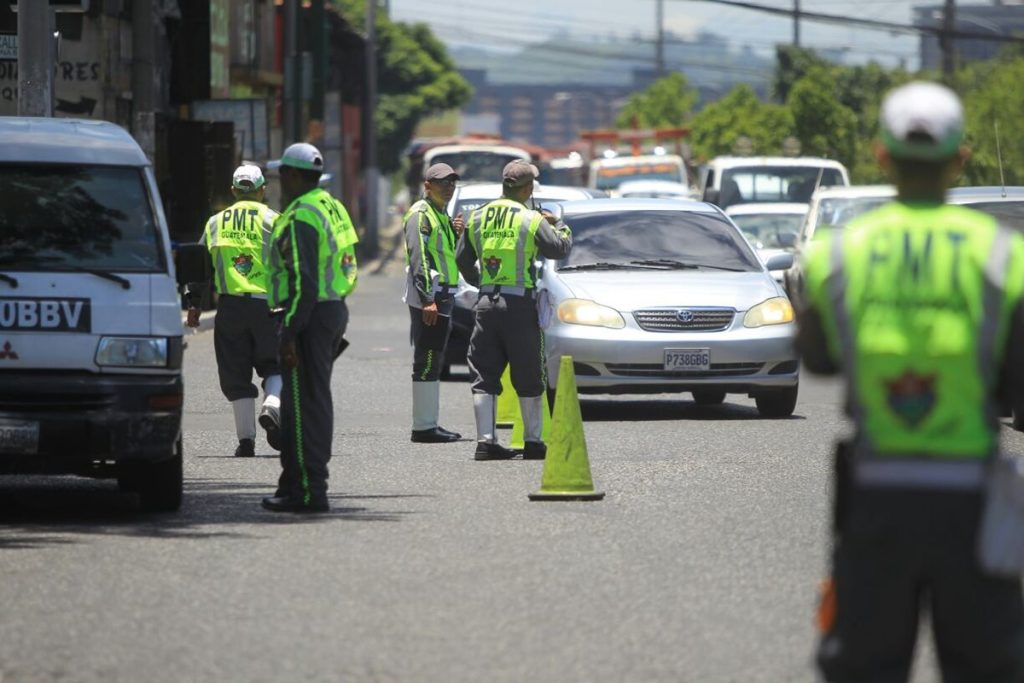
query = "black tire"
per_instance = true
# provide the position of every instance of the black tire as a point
(708, 397)
(158, 484)
(777, 402)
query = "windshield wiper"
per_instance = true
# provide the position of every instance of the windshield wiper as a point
(12, 281)
(606, 265)
(672, 263)
(105, 274)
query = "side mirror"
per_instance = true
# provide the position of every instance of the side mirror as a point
(779, 262)
(192, 264)
(711, 196)
(787, 240)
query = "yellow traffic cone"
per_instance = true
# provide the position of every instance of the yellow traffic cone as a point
(567, 467)
(508, 402)
(517, 439)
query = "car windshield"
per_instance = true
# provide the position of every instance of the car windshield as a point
(748, 184)
(476, 166)
(1010, 214)
(658, 237)
(610, 177)
(54, 217)
(834, 213)
(763, 229)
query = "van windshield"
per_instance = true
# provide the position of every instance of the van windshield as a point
(475, 166)
(58, 216)
(775, 183)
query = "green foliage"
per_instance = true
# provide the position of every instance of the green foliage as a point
(716, 128)
(992, 94)
(416, 79)
(791, 64)
(666, 102)
(824, 125)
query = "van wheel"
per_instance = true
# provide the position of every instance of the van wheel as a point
(158, 484)
(778, 402)
(708, 397)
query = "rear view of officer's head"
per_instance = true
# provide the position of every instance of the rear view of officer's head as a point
(248, 183)
(517, 180)
(300, 166)
(921, 129)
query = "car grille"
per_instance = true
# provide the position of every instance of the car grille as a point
(667, 319)
(655, 370)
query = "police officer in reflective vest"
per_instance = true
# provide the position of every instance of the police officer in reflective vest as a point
(312, 270)
(244, 335)
(918, 304)
(431, 283)
(497, 253)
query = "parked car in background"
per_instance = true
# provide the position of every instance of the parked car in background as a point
(475, 163)
(831, 208)
(772, 229)
(607, 173)
(667, 296)
(1006, 204)
(655, 189)
(727, 180)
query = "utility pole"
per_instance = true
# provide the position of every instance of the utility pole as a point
(796, 23)
(35, 59)
(659, 55)
(946, 41)
(144, 76)
(372, 174)
(292, 64)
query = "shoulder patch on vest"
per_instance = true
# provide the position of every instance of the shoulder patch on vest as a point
(424, 226)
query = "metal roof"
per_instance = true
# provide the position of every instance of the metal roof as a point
(67, 141)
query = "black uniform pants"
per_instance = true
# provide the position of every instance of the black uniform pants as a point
(898, 550)
(244, 338)
(506, 332)
(307, 410)
(428, 344)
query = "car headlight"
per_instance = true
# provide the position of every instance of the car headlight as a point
(774, 311)
(132, 352)
(584, 312)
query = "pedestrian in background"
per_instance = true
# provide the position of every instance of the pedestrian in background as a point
(432, 279)
(918, 304)
(244, 335)
(497, 253)
(312, 270)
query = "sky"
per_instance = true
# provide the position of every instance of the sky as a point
(498, 24)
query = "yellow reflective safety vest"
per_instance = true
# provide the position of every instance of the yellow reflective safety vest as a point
(437, 242)
(916, 301)
(502, 234)
(238, 239)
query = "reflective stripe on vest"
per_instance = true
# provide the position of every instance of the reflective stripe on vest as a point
(440, 247)
(239, 240)
(502, 233)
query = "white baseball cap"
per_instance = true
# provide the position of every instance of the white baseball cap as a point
(247, 178)
(300, 155)
(923, 121)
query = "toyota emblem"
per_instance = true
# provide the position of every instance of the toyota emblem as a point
(685, 316)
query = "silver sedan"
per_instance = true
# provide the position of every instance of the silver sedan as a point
(667, 296)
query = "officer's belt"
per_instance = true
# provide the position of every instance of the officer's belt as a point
(959, 475)
(247, 295)
(514, 290)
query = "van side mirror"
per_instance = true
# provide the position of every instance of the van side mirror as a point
(711, 196)
(192, 264)
(786, 240)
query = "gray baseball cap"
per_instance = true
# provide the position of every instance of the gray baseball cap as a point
(300, 155)
(440, 171)
(518, 173)
(922, 121)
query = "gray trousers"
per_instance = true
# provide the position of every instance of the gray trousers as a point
(244, 338)
(307, 410)
(506, 332)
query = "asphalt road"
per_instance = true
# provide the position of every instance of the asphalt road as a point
(701, 564)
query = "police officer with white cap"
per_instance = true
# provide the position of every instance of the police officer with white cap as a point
(497, 252)
(312, 271)
(244, 335)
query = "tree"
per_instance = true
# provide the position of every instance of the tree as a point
(992, 95)
(791, 64)
(824, 125)
(717, 127)
(416, 79)
(665, 103)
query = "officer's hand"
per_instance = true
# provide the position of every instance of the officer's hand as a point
(430, 314)
(550, 217)
(289, 355)
(459, 223)
(193, 317)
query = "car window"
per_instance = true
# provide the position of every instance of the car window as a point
(1010, 214)
(835, 213)
(774, 183)
(686, 236)
(58, 216)
(476, 165)
(764, 229)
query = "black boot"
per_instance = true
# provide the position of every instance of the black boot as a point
(246, 448)
(486, 450)
(534, 450)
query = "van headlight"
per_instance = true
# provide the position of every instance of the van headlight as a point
(132, 352)
(775, 311)
(584, 312)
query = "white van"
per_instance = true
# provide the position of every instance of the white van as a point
(90, 319)
(727, 181)
(608, 173)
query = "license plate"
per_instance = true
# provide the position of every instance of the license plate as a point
(687, 359)
(19, 436)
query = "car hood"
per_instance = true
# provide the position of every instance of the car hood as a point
(634, 290)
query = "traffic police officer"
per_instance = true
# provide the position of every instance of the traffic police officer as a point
(497, 253)
(431, 282)
(919, 304)
(312, 270)
(244, 335)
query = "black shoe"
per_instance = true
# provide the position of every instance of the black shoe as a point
(286, 504)
(534, 450)
(270, 420)
(246, 448)
(486, 450)
(435, 435)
